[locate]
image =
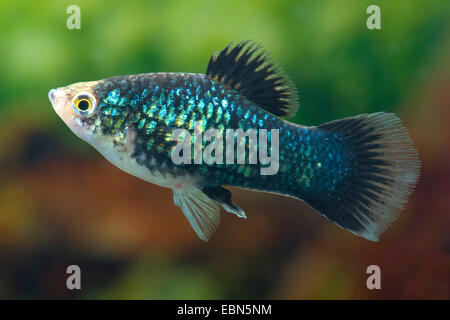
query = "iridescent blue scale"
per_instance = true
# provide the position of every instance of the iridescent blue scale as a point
(159, 103)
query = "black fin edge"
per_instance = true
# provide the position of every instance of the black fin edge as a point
(249, 69)
(386, 173)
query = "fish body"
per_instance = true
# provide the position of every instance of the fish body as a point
(346, 169)
(165, 101)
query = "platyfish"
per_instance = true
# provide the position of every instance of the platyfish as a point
(357, 172)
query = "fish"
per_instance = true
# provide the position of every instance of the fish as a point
(357, 172)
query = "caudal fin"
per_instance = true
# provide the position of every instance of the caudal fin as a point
(384, 171)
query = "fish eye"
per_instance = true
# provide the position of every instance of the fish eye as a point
(84, 104)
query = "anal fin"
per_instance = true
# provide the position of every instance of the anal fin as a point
(223, 197)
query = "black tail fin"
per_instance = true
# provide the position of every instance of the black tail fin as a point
(385, 171)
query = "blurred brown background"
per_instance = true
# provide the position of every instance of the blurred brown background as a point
(61, 203)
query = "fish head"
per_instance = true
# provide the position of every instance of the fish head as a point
(78, 106)
(82, 108)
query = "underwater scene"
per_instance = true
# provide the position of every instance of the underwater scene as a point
(361, 97)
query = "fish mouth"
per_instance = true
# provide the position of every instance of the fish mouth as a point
(52, 95)
(55, 97)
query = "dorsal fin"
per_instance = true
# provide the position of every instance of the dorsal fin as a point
(249, 69)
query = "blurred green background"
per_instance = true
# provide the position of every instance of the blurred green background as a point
(61, 203)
